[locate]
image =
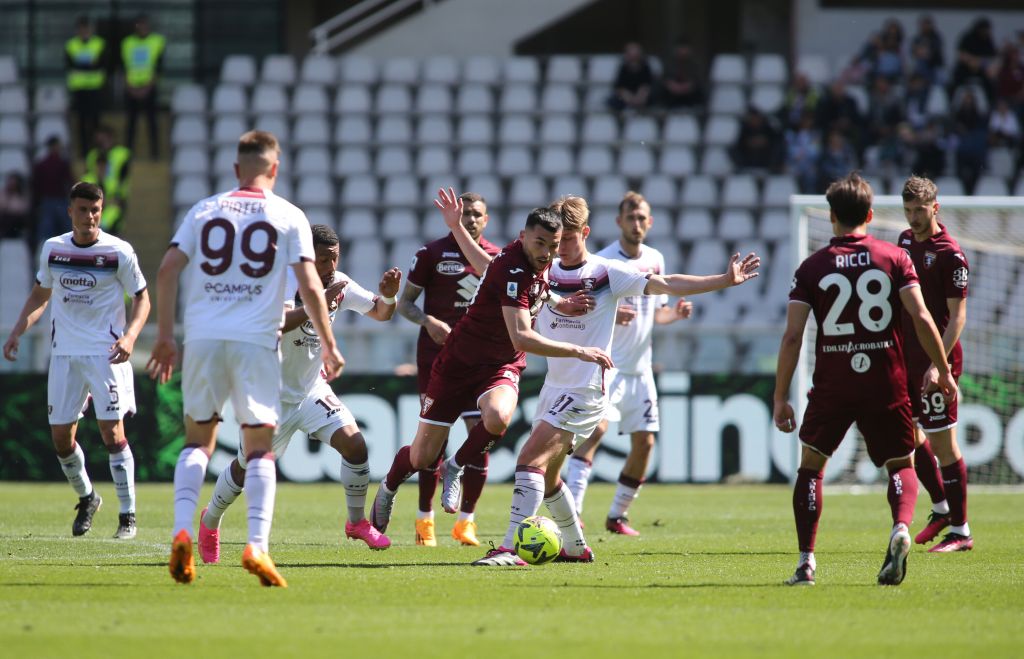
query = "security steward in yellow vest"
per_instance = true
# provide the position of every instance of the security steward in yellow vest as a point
(85, 61)
(107, 165)
(142, 55)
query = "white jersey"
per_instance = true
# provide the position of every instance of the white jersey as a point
(300, 350)
(240, 244)
(608, 281)
(87, 313)
(631, 347)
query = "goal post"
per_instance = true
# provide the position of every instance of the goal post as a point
(991, 414)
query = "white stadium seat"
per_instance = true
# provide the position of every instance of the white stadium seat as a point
(278, 69)
(475, 99)
(358, 69)
(595, 160)
(190, 160)
(777, 190)
(517, 97)
(476, 130)
(564, 69)
(433, 99)
(728, 69)
(740, 191)
(49, 125)
(559, 98)
(636, 161)
(681, 129)
(8, 70)
(319, 69)
(401, 70)
(639, 129)
(229, 99)
(238, 70)
(190, 129)
(721, 130)
(310, 129)
(558, 129)
(599, 129)
(352, 130)
(352, 99)
(699, 191)
(392, 160)
(521, 70)
(603, 68)
(716, 162)
(400, 223)
(677, 161)
(14, 99)
(514, 161)
(695, 224)
(401, 191)
(312, 161)
(434, 129)
(727, 99)
(434, 160)
(186, 99)
(351, 160)
(269, 97)
(394, 130)
(481, 69)
(190, 189)
(314, 191)
(528, 190)
(517, 129)
(441, 69)
(474, 160)
(555, 160)
(660, 191)
(769, 68)
(310, 99)
(393, 98)
(360, 190)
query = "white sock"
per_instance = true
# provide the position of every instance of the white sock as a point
(260, 488)
(424, 514)
(466, 517)
(808, 558)
(527, 496)
(624, 495)
(563, 511)
(224, 494)
(73, 467)
(122, 470)
(962, 530)
(577, 478)
(356, 479)
(941, 507)
(188, 479)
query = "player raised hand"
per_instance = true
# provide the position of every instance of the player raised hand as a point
(451, 207)
(390, 282)
(740, 271)
(162, 360)
(784, 417)
(333, 291)
(596, 356)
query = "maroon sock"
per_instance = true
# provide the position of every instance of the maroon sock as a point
(479, 441)
(902, 495)
(954, 479)
(401, 469)
(428, 486)
(473, 480)
(807, 499)
(927, 469)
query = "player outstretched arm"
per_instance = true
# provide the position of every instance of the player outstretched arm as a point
(451, 207)
(34, 307)
(928, 336)
(668, 314)
(789, 353)
(165, 349)
(384, 308)
(738, 272)
(312, 293)
(122, 348)
(526, 339)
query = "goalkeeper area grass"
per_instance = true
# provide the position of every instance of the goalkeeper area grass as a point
(704, 579)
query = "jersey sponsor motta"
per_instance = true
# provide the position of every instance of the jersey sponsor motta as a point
(77, 281)
(450, 268)
(244, 289)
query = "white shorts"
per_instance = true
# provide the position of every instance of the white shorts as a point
(577, 410)
(214, 370)
(319, 415)
(73, 378)
(633, 402)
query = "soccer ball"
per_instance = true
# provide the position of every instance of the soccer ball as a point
(538, 540)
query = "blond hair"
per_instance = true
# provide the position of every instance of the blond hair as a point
(919, 188)
(574, 211)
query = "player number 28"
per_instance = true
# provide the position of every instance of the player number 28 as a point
(222, 254)
(868, 302)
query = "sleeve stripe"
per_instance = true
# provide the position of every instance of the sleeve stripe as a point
(799, 302)
(911, 285)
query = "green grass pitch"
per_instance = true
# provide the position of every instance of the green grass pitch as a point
(703, 580)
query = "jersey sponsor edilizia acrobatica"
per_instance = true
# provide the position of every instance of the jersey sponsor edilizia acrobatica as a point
(608, 281)
(240, 244)
(853, 286)
(88, 282)
(631, 344)
(301, 359)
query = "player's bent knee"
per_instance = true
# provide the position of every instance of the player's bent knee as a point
(497, 423)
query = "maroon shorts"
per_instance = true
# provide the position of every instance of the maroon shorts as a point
(888, 432)
(456, 386)
(931, 411)
(424, 367)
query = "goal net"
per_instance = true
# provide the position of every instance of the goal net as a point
(991, 412)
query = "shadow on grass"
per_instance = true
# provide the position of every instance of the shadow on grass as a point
(359, 566)
(682, 586)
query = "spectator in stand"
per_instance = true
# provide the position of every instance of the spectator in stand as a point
(14, 206)
(1003, 125)
(929, 151)
(927, 52)
(51, 185)
(885, 111)
(142, 55)
(882, 55)
(1008, 75)
(759, 144)
(633, 82)
(85, 61)
(682, 85)
(837, 159)
(975, 51)
(838, 111)
(108, 165)
(801, 98)
(803, 148)
(916, 102)
(970, 128)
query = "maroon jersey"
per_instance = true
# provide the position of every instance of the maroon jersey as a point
(481, 337)
(853, 287)
(448, 282)
(942, 268)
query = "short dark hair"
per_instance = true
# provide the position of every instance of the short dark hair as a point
(850, 199)
(544, 218)
(324, 235)
(472, 197)
(83, 190)
(82, 20)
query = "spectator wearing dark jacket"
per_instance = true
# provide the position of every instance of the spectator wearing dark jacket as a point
(634, 81)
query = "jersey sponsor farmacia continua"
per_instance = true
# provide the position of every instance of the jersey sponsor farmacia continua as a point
(631, 344)
(301, 360)
(608, 281)
(240, 244)
(853, 288)
(88, 282)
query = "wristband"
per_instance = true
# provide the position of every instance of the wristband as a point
(552, 299)
(388, 300)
